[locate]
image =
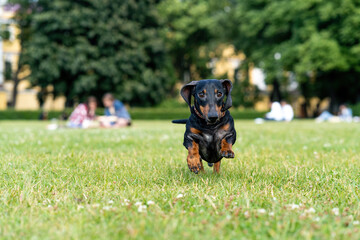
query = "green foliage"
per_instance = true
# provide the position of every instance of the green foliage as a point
(355, 109)
(4, 32)
(91, 47)
(137, 113)
(192, 31)
(287, 181)
(317, 41)
(23, 20)
(172, 103)
(245, 94)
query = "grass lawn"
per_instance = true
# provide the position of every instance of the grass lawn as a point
(287, 181)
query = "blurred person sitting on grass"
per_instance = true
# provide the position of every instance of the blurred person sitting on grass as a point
(287, 111)
(344, 115)
(279, 112)
(116, 115)
(84, 114)
(275, 113)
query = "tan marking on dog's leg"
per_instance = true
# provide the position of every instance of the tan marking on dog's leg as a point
(217, 167)
(226, 149)
(202, 166)
(193, 158)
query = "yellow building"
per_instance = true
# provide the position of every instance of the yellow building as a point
(230, 60)
(9, 54)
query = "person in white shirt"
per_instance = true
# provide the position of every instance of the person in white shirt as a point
(275, 113)
(287, 111)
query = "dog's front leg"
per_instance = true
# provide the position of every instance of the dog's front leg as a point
(217, 167)
(193, 158)
(226, 148)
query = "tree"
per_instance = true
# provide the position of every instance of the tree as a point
(317, 41)
(90, 47)
(22, 20)
(193, 32)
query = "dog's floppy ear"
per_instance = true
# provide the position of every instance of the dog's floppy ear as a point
(186, 91)
(228, 87)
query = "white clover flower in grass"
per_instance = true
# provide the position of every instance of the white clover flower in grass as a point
(106, 208)
(80, 207)
(126, 202)
(246, 214)
(310, 210)
(138, 203)
(261, 211)
(180, 195)
(110, 202)
(142, 208)
(316, 219)
(293, 206)
(271, 214)
(150, 202)
(335, 211)
(356, 222)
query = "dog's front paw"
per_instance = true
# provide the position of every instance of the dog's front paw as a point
(194, 166)
(228, 154)
(226, 149)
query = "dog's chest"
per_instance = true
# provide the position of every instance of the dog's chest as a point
(210, 144)
(208, 138)
(211, 137)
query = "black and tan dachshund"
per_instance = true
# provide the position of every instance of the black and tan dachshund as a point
(210, 132)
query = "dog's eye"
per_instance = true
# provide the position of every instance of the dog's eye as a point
(219, 94)
(201, 95)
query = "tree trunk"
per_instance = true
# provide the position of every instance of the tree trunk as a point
(16, 80)
(15, 92)
(275, 95)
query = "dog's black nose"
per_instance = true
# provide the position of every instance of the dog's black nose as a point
(212, 118)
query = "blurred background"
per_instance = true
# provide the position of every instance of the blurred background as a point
(54, 54)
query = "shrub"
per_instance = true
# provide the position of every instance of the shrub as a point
(136, 114)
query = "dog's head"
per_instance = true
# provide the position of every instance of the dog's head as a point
(209, 97)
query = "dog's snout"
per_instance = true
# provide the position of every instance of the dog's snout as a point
(212, 117)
